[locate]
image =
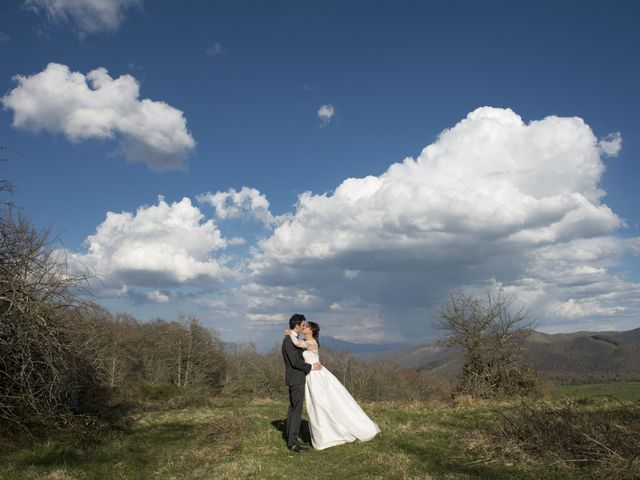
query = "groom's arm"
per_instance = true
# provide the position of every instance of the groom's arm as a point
(293, 356)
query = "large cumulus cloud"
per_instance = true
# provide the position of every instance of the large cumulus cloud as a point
(163, 245)
(493, 199)
(97, 106)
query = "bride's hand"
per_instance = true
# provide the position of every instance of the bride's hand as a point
(287, 332)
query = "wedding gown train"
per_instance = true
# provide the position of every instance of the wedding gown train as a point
(334, 416)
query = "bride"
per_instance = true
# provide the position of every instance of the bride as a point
(334, 416)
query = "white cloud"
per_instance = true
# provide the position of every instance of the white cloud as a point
(264, 318)
(325, 114)
(611, 144)
(157, 296)
(583, 308)
(89, 16)
(4, 38)
(493, 199)
(215, 50)
(168, 244)
(97, 106)
(490, 179)
(234, 204)
(351, 274)
(634, 245)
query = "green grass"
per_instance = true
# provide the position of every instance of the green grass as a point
(239, 439)
(624, 391)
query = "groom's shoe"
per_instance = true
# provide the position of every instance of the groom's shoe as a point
(299, 449)
(302, 442)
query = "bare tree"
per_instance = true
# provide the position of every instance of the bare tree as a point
(110, 343)
(199, 354)
(181, 353)
(491, 331)
(37, 360)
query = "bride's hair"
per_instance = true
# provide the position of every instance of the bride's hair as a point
(315, 330)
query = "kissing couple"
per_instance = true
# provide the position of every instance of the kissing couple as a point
(334, 416)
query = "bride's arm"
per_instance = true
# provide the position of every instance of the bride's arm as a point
(301, 343)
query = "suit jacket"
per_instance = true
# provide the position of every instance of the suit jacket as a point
(295, 370)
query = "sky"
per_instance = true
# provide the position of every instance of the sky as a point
(240, 161)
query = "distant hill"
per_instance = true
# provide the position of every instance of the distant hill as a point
(597, 355)
(562, 358)
(359, 349)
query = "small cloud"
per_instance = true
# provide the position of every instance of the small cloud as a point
(134, 66)
(325, 114)
(351, 274)
(88, 16)
(157, 296)
(634, 245)
(611, 144)
(232, 204)
(4, 38)
(237, 241)
(265, 318)
(583, 308)
(215, 50)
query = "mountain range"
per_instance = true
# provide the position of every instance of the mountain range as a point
(359, 349)
(561, 358)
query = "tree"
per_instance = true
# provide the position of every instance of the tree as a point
(181, 353)
(491, 332)
(39, 366)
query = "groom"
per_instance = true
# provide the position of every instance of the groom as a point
(295, 378)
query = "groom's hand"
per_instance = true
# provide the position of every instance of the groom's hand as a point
(316, 366)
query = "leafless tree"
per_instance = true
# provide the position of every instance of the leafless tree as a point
(491, 332)
(181, 353)
(37, 359)
(250, 373)
(110, 343)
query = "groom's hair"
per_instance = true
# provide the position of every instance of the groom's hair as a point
(295, 320)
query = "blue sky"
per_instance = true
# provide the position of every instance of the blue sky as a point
(187, 105)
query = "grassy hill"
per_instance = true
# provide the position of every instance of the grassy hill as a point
(243, 439)
(564, 357)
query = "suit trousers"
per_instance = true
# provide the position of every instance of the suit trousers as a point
(294, 415)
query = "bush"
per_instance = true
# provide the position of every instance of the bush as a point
(491, 332)
(43, 373)
(516, 381)
(601, 442)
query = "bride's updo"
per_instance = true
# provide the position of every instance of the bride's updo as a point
(315, 330)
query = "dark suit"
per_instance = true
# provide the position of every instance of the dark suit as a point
(295, 373)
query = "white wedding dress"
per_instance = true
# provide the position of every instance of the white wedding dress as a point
(334, 416)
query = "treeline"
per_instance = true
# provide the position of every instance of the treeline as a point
(62, 357)
(123, 350)
(261, 375)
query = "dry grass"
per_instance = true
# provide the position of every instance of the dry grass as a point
(601, 441)
(242, 439)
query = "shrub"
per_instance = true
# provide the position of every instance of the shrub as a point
(601, 442)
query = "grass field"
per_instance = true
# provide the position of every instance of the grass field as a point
(233, 439)
(625, 391)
